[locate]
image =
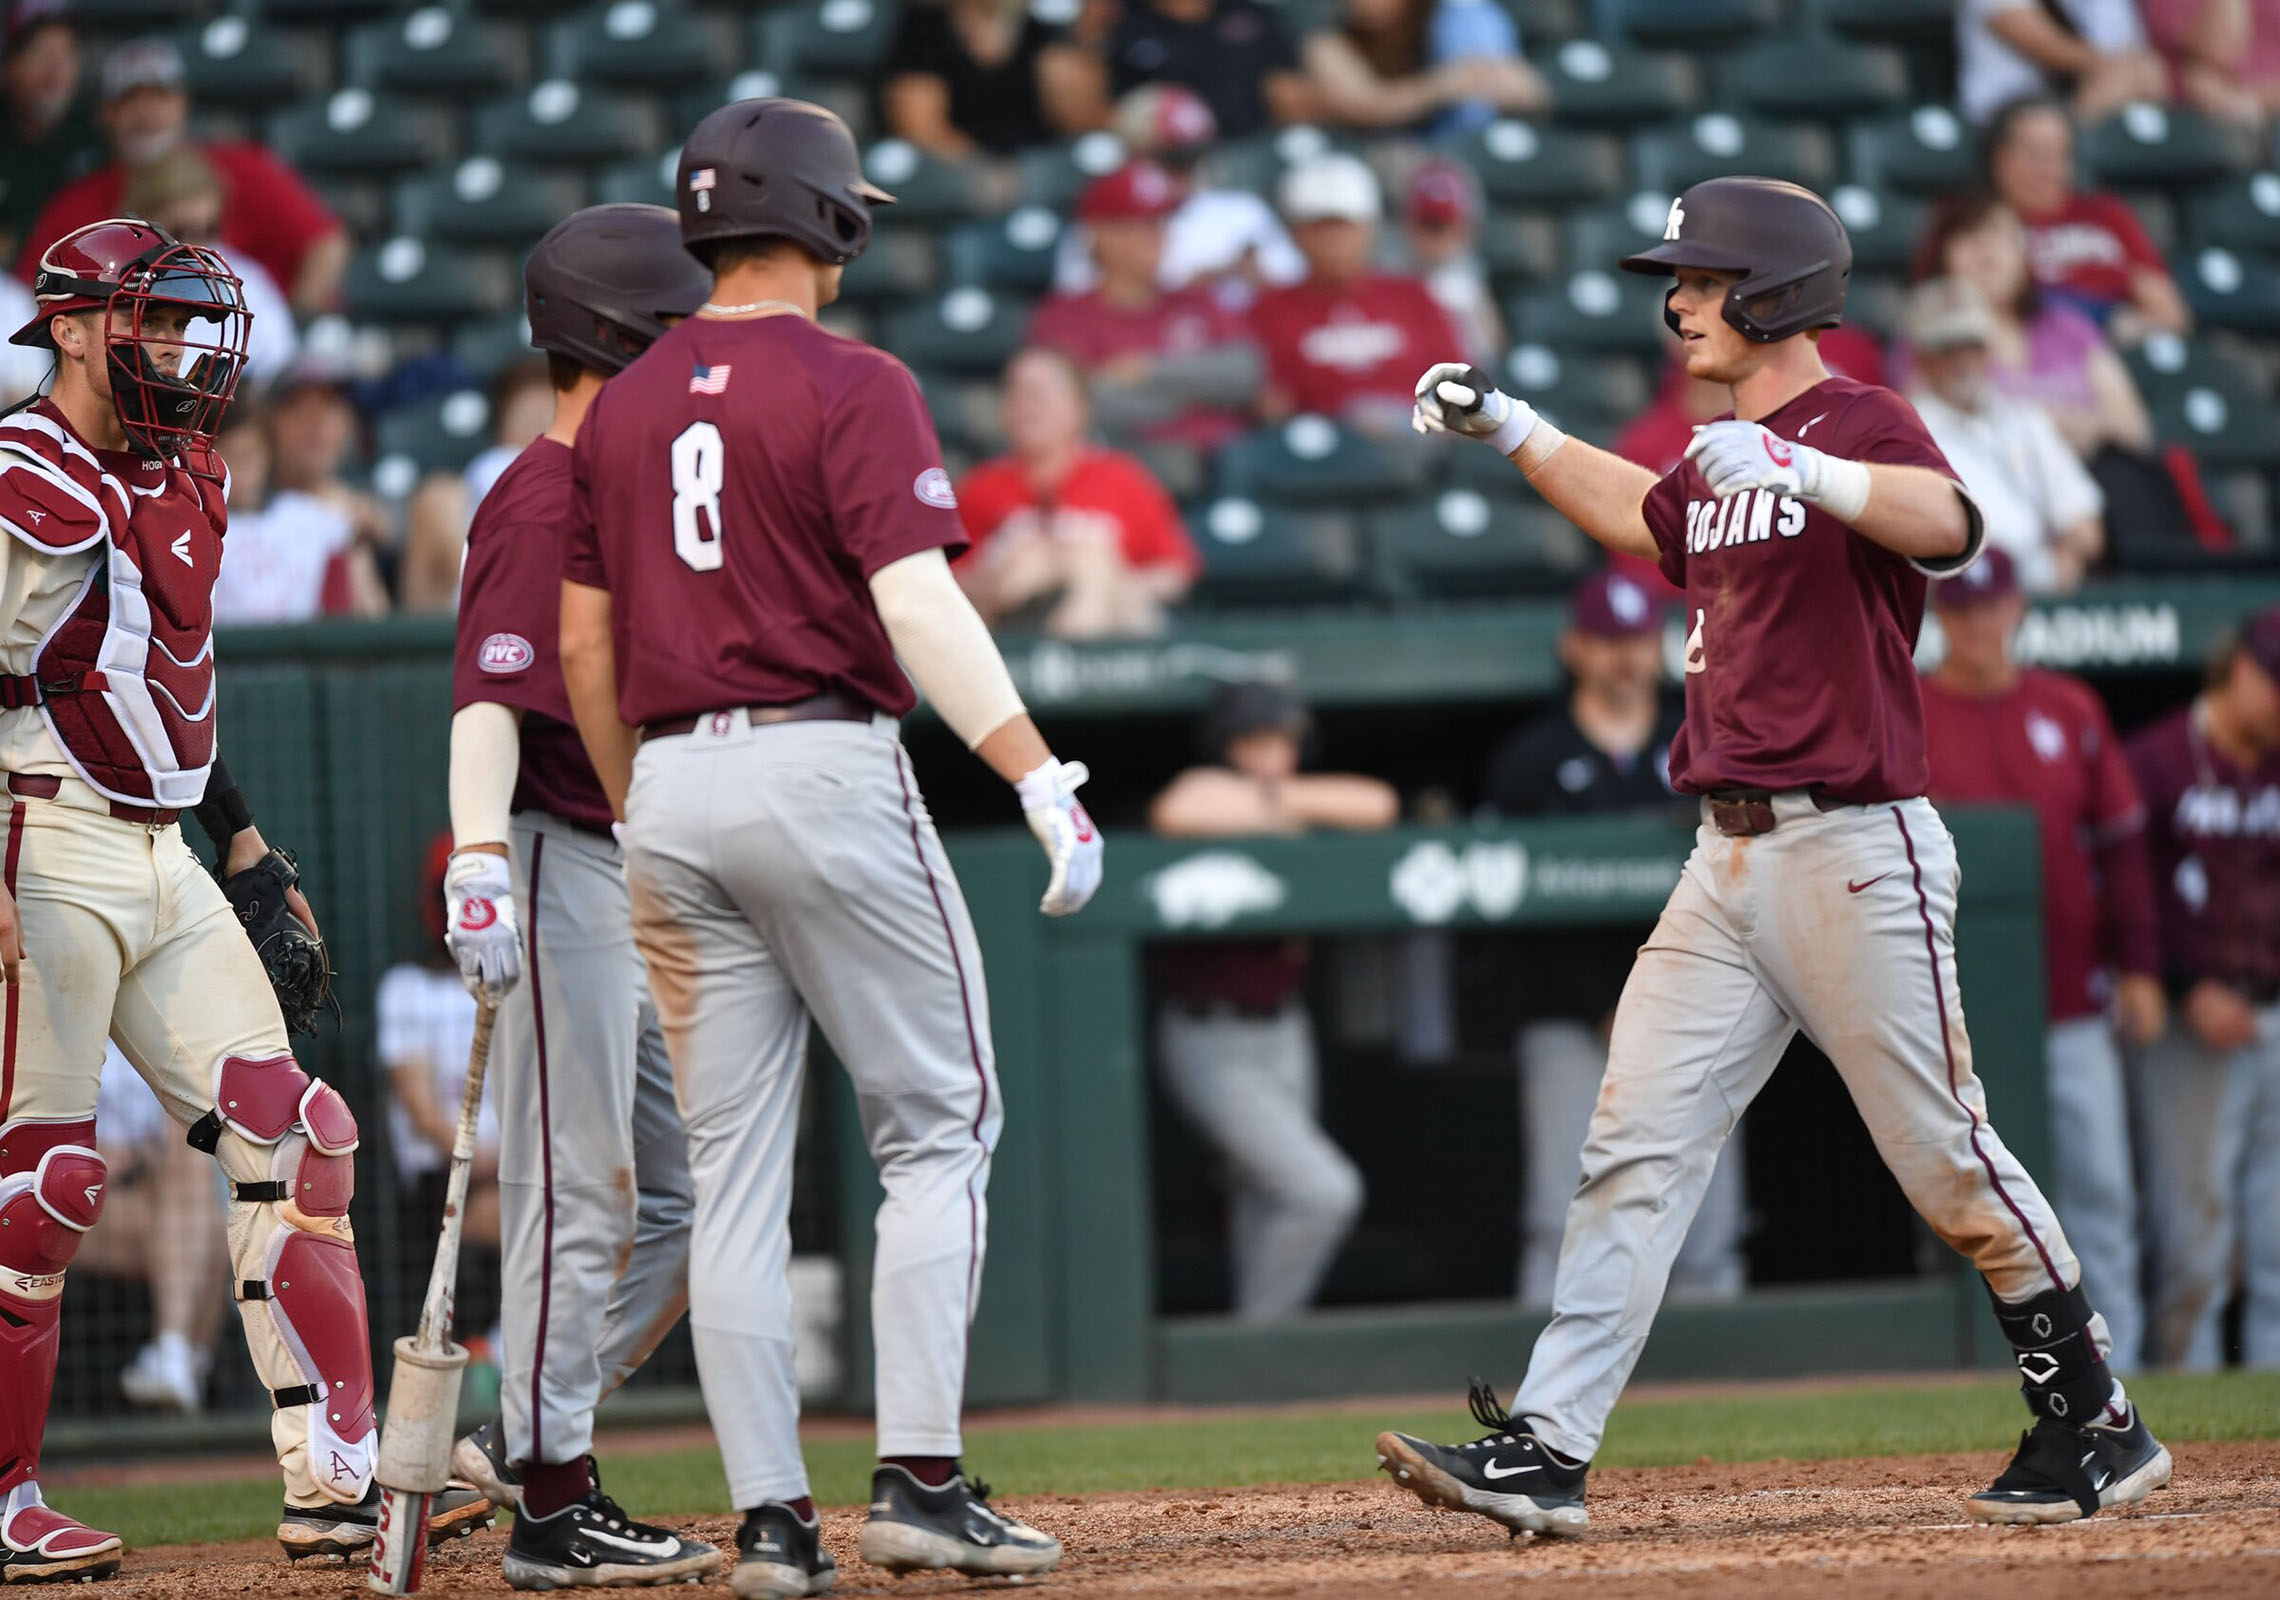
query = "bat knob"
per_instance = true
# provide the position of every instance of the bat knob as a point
(1480, 383)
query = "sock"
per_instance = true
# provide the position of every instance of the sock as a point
(933, 1471)
(803, 1508)
(551, 1486)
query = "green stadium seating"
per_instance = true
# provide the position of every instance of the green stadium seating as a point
(2242, 215)
(1531, 164)
(440, 435)
(1462, 544)
(639, 44)
(354, 131)
(483, 201)
(901, 264)
(1597, 309)
(1926, 151)
(239, 61)
(488, 347)
(1313, 461)
(330, 12)
(1690, 22)
(433, 51)
(1718, 143)
(1903, 22)
(927, 189)
(1180, 467)
(1601, 82)
(1258, 163)
(408, 280)
(1545, 22)
(1263, 554)
(966, 330)
(851, 101)
(1815, 75)
(1519, 248)
(646, 181)
(557, 124)
(1575, 391)
(1057, 174)
(1600, 236)
(2149, 146)
(827, 38)
(134, 16)
(1884, 225)
(1012, 253)
(2223, 427)
(2228, 290)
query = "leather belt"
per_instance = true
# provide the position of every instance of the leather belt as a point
(830, 706)
(1746, 813)
(42, 786)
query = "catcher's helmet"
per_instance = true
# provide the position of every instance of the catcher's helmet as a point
(600, 285)
(1791, 250)
(126, 270)
(776, 168)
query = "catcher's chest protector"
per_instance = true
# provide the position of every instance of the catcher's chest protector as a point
(125, 680)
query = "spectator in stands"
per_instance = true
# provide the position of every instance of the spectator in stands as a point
(162, 1224)
(2092, 51)
(2040, 503)
(1226, 240)
(2041, 351)
(1160, 364)
(2207, 1093)
(1999, 734)
(290, 555)
(182, 193)
(988, 77)
(47, 134)
(269, 213)
(312, 427)
(1605, 749)
(1440, 242)
(2087, 250)
(2223, 55)
(1235, 54)
(1441, 66)
(1349, 341)
(1079, 538)
(1233, 1038)
(442, 508)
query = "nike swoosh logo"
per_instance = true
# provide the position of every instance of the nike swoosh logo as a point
(1801, 431)
(639, 1547)
(1490, 1471)
(1855, 888)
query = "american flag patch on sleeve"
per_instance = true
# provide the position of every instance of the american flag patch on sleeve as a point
(708, 380)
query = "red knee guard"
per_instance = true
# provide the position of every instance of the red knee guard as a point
(43, 1212)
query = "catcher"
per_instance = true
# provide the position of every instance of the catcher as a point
(112, 506)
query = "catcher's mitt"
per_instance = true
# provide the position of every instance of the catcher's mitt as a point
(299, 967)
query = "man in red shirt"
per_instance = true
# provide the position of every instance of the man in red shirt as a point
(1348, 341)
(269, 213)
(1162, 363)
(2000, 734)
(1821, 894)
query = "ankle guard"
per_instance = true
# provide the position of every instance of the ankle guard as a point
(2065, 1377)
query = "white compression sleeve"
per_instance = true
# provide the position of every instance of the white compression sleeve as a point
(486, 758)
(945, 645)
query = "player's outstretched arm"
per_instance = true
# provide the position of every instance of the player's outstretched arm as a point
(956, 665)
(1912, 511)
(479, 922)
(1599, 492)
(589, 672)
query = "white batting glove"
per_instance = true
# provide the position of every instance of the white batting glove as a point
(1072, 843)
(480, 927)
(1455, 398)
(1734, 455)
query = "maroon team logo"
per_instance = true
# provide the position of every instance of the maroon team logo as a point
(1778, 449)
(505, 652)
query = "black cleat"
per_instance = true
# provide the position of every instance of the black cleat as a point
(592, 1543)
(346, 1532)
(41, 1545)
(2063, 1473)
(779, 1556)
(481, 1458)
(913, 1528)
(1507, 1475)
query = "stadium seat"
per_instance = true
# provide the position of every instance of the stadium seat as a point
(433, 51)
(558, 124)
(1814, 75)
(1599, 309)
(2165, 366)
(1013, 253)
(2243, 215)
(1313, 461)
(483, 201)
(407, 280)
(827, 38)
(133, 16)
(1600, 236)
(1054, 175)
(1258, 163)
(2149, 146)
(1530, 164)
(330, 12)
(1690, 22)
(1519, 248)
(966, 330)
(639, 44)
(439, 435)
(852, 102)
(1885, 226)
(1877, 302)
(1462, 544)
(1607, 82)
(1579, 393)
(1927, 151)
(488, 347)
(1263, 554)
(1545, 22)
(2231, 426)
(927, 189)
(1718, 143)
(1180, 467)
(2229, 290)
(645, 181)
(900, 265)
(1903, 22)
(357, 131)
(362, 204)
(245, 61)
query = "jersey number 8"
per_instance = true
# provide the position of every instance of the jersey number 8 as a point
(698, 465)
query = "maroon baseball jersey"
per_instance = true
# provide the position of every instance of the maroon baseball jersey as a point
(2045, 742)
(734, 489)
(1801, 634)
(510, 613)
(2214, 833)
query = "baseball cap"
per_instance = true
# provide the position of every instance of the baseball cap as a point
(1945, 312)
(1334, 187)
(1136, 191)
(1440, 194)
(27, 17)
(1608, 605)
(143, 64)
(1164, 119)
(2260, 637)
(1994, 576)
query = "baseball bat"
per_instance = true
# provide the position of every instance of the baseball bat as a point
(423, 1395)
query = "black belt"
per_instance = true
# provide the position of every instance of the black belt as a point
(45, 786)
(831, 706)
(1746, 813)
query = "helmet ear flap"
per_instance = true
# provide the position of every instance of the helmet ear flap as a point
(1670, 314)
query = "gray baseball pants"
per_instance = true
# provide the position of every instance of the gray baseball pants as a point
(2091, 1178)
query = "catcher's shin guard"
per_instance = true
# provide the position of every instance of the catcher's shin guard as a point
(287, 1143)
(51, 1192)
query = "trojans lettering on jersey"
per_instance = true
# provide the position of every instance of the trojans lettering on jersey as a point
(124, 676)
(1754, 516)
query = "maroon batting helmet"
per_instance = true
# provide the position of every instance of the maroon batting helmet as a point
(777, 169)
(601, 284)
(1791, 250)
(129, 271)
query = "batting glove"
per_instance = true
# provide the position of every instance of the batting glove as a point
(1072, 843)
(479, 923)
(1455, 398)
(1734, 455)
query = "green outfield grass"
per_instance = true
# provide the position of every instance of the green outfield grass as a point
(1190, 1452)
